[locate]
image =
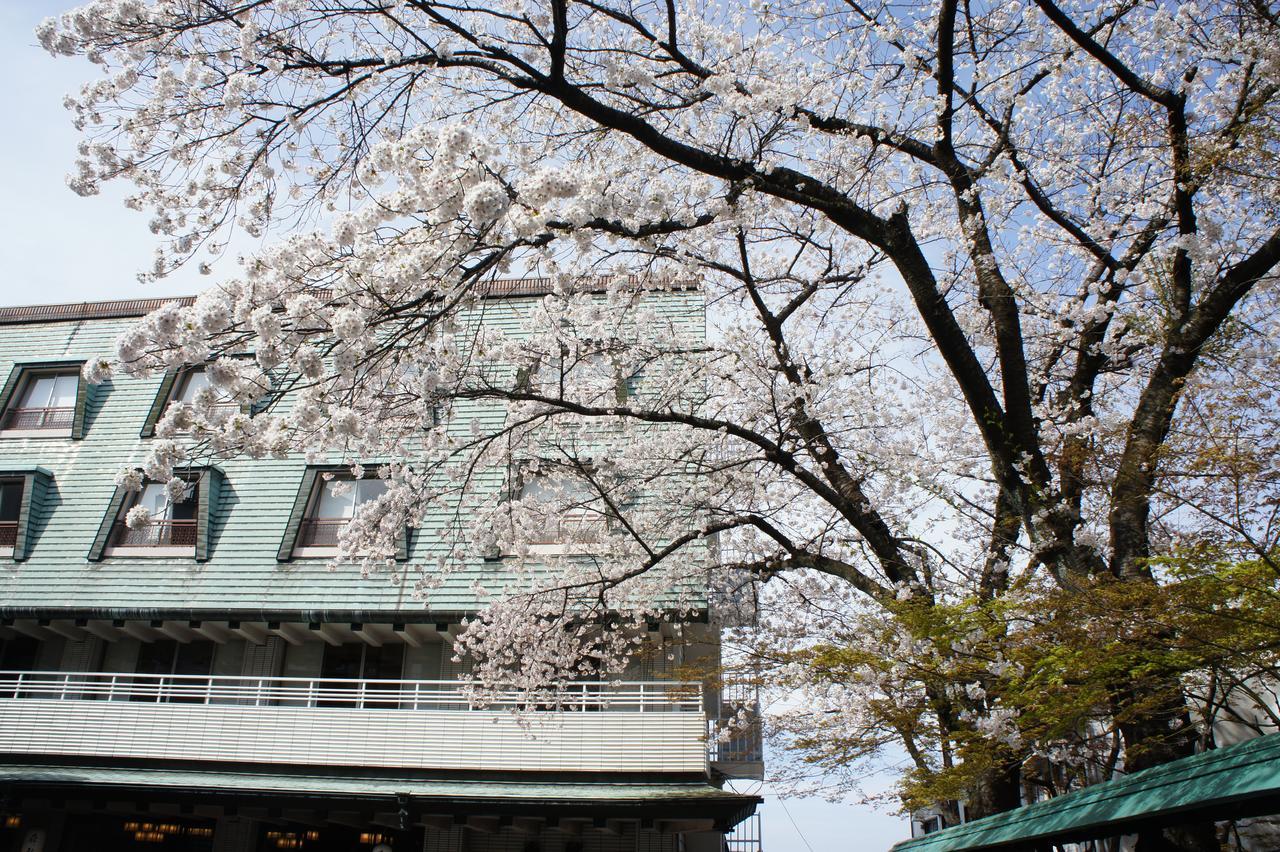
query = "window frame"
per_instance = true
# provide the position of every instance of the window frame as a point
(35, 486)
(303, 507)
(171, 387)
(20, 377)
(584, 516)
(208, 484)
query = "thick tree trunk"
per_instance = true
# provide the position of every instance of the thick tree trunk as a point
(999, 789)
(1157, 737)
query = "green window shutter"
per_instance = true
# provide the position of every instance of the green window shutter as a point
(159, 404)
(210, 494)
(10, 386)
(108, 521)
(83, 389)
(35, 483)
(296, 516)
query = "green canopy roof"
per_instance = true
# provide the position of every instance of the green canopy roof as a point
(1237, 781)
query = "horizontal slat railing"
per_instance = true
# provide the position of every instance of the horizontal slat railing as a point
(634, 696)
(582, 727)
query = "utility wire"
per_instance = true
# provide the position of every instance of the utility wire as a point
(794, 825)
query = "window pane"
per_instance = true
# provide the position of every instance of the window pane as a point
(331, 506)
(342, 661)
(64, 392)
(195, 381)
(384, 662)
(39, 392)
(153, 498)
(369, 489)
(10, 501)
(186, 510)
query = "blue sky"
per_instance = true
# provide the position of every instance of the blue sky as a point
(58, 247)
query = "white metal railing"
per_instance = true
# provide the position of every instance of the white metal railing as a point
(632, 696)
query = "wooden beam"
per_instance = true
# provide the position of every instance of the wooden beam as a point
(408, 634)
(211, 631)
(103, 630)
(327, 632)
(135, 630)
(253, 632)
(28, 627)
(366, 635)
(64, 628)
(291, 633)
(446, 633)
(175, 630)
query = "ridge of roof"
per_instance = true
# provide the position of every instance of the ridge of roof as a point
(123, 308)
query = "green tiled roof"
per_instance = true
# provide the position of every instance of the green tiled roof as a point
(242, 574)
(1215, 784)
(348, 785)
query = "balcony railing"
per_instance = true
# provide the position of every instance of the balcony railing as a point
(155, 534)
(38, 418)
(650, 726)
(633, 696)
(315, 532)
(8, 533)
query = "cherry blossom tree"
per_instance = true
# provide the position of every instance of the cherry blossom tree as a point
(962, 265)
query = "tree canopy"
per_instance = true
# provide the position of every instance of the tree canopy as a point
(990, 293)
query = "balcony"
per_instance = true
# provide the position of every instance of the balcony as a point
(587, 727)
(37, 418)
(155, 534)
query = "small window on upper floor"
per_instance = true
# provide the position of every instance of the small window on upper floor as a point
(333, 503)
(189, 385)
(172, 528)
(192, 382)
(46, 401)
(574, 515)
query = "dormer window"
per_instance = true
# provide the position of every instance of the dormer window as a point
(573, 512)
(191, 382)
(333, 504)
(185, 385)
(327, 500)
(181, 527)
(172, 528)
(45, 402)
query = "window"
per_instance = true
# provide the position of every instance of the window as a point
(328, 497)
(181, 527)
(572, 508)
(194, 381)
(179, 671)
(595, 376)
(184, 386)
(10, 512)
(354, 666)
(173, 523)
(17, 655)
(46, 401)
(333, 505)
(22, 502)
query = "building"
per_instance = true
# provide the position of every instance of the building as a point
(206, 683)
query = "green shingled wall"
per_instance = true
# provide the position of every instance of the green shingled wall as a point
(242, 573)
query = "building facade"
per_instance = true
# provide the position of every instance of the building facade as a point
(206, 682)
